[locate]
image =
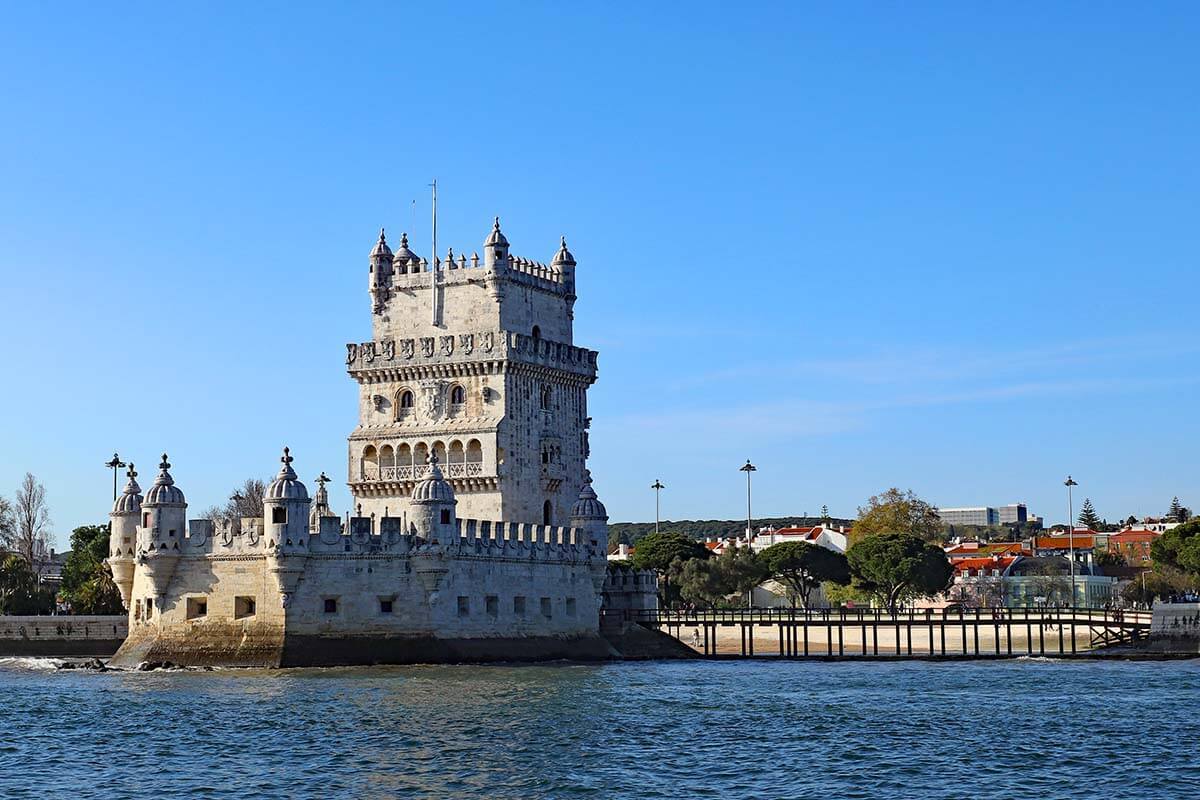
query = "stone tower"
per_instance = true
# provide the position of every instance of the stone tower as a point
(471, 360)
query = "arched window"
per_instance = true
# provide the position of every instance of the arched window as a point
(537, 332)
(370, 463)
(547, 397)
(547, 513)
(406, 399)
(458, 395)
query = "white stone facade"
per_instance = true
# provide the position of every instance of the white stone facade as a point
(477, 535)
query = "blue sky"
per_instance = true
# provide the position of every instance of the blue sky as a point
(951, 247)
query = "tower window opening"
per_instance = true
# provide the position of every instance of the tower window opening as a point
(445, 516)
(547, 513)
(279, 515)
(537, 332)
(406, 399)
(546, 398)
(458, 395)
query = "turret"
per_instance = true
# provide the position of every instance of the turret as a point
(285, 527)
(122, 536)
(433, 505)
(404, 260)
(164, 517)
(495, 247)
(564, 264)
(381, 273)
(589, 516)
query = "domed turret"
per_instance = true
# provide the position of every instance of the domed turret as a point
(495, 247)
(286, 521)
(381, 273)
(164, 492)
(403, 257)
(122, 536)
(164, 519)
(381, 249)
(563, 257)
(590, 516)
(286, 486)
(433, 506)
(130, 500)
(588, 506)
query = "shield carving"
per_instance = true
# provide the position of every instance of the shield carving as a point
(466, 342)
(447, 344)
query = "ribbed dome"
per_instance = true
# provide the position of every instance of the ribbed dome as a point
(563, 256)
(381, 247)
(495, 237)
(588, 506)
(164, 492)
(130, 500)
(286, 486)
(434, 488)
(403, 255)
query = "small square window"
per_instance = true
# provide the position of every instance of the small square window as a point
(278, 515)
(492, 605)
(243, 607)
(385, 606)
(464, 606)
(149, 607)
(445, 516)
(197, 607)
(546, 612)
(330, 605)
(570, 606)
(519, 606)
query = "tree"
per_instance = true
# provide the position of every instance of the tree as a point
(802, 567)
(8, 525)
(1166, 550)
(895, 511)
(897, 566)
(33, 523)
(825, 518)
(658, 551)
(1108, 558)
(1130, 521)
(244, 501)
(734, 572)
(19, 590)
(1088, 517)
(1177, 512)
(87, 583)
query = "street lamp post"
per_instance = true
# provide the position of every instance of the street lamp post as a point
(1070, 483)
(748, 469)
(657, 486)
(115, 465)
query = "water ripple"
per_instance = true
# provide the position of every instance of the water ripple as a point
(671, 730)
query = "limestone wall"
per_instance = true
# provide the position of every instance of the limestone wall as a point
(61, 635)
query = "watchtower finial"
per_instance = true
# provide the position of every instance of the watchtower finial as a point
(132, 473)
(164, 464)
(323, 479)
(287, 456)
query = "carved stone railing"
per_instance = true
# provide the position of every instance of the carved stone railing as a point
(469, 469)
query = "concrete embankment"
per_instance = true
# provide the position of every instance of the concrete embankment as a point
(62, 636)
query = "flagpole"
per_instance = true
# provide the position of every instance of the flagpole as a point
(433, 261)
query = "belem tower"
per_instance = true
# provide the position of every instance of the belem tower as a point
(476, 533)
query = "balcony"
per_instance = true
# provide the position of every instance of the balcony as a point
(416, 472)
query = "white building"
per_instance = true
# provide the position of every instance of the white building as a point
(477, 534)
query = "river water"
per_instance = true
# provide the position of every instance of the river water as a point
(1024, 728)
